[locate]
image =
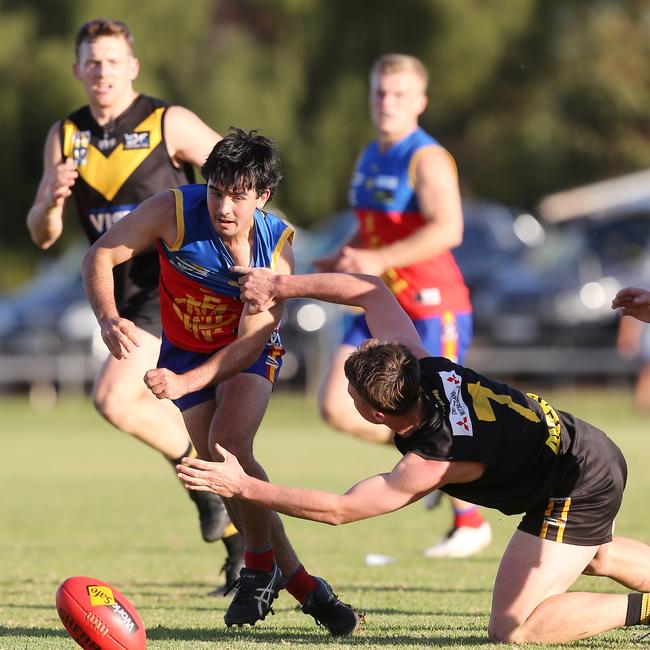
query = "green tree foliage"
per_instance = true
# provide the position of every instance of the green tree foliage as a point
(529, 95)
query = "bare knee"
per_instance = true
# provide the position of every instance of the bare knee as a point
(503, 629)
(112, 404)
(333, 416)
(599, 565)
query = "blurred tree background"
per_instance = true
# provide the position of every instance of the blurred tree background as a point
(531, 96)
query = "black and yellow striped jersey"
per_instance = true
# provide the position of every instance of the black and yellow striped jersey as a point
(121, 164)
(530, 450)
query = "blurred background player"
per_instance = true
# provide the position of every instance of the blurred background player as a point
(633, 342)
(218, 360)
(111, 155)
(634, 337)
(405, 194)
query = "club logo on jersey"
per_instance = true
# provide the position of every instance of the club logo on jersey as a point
(386, 183)
(459, 417)
(106, 144)
(206, 317)
(138, 140)
(80, 144)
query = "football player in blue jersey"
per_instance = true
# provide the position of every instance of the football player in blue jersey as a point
(468, 435)
(219, 360)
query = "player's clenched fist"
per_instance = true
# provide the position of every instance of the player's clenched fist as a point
(165, 384)
(65, 175)
(257, 287)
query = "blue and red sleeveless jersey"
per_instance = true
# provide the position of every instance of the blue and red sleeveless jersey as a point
(383, 197)
(199, 297)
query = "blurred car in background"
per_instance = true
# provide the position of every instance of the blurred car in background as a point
(560, 292)
(49, 338)
(50, 314)
(495, 237)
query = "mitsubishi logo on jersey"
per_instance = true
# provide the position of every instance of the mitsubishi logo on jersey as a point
(459, 418)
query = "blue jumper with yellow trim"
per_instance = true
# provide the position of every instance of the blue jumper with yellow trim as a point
(199, 297)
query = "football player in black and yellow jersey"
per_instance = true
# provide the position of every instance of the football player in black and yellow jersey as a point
(109, 156)
(483, 441)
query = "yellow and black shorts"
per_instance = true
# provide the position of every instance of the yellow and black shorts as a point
(583, 509)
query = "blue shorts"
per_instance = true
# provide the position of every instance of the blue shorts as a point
(179, 361)
(446, 336)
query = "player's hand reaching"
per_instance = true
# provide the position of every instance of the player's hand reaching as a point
(327, 264)
(257, 287)
(358, 260)
(633, 301)
(120, 336)
(165, 384)
(223, 478)
(65, 175)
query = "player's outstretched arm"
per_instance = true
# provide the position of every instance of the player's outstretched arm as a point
(633, 301)
(409, 480)
(154, 219)
(386, 319)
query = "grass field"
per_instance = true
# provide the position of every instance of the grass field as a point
(79, 498)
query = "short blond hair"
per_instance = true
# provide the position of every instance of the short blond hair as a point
(388, 63)
(91, 30)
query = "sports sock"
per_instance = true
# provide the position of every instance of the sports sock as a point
(470, 517)
(300, 584)
(260, 560)
(638, 609)
(190, 452)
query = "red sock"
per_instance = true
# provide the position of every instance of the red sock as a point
(300, 584)
(470, 517)
(260, 560)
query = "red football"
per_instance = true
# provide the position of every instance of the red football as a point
(98, 616)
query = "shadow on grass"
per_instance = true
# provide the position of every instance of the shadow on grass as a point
(229, 637)
(299, 636)
(39, 632)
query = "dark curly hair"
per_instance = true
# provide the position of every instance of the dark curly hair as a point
(244, 161)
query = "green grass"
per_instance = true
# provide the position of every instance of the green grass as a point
(79, 498)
